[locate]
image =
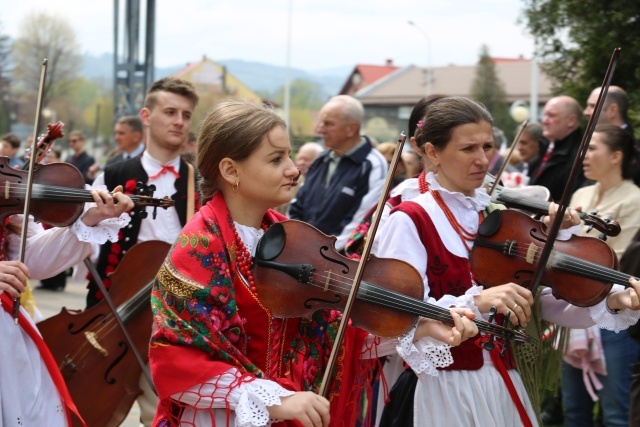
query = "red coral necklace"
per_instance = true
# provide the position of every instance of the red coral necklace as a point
(244, 260)
(464, 235)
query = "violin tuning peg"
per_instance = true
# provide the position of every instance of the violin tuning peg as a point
(603, 237)
(152, 189)
(589, 229)
(504, 348)
(608, 219)
(505, 322)
(155, 212)
(143, 214)
(594, 212)
(492, 313)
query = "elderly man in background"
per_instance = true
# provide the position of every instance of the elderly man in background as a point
(346, 179)
(561, 126)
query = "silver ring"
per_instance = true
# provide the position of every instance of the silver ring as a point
(4, 276)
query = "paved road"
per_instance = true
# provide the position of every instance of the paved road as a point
(73, 297)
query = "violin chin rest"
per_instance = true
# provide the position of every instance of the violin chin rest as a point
(491, 224)
(271, 243)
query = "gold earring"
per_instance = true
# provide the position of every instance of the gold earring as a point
(235, 187)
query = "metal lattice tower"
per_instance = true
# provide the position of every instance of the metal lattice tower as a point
(132, 77)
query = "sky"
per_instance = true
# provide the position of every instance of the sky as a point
(325, 34)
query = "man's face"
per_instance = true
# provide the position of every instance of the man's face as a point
(76, 143)
(304, 159)
(126, 139)
(334, 130)
(528, 147)
(168, 121)
(556, 121)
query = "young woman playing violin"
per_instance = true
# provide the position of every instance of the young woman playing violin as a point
(435, 232)
(32, 391)
(217, 355)
(609, 161)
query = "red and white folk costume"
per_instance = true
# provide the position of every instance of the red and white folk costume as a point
(217, 355)
(28, 395)
(473, 395)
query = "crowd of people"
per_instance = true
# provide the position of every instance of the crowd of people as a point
(218, 356)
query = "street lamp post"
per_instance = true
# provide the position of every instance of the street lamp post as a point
(428, 70)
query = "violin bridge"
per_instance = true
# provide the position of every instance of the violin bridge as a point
(326, 283)
(7, 186)
(91, 337)
(531, 253)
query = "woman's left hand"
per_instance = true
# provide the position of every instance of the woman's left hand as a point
(570, 219)
(464, 327)
(107, 206)
(628, 299)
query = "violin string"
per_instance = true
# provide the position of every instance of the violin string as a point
(578, 265)
(437, 312)
(60, 192)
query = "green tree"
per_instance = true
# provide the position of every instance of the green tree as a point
(488, 89)
(5, 84)
(576, 38)
(45, 36)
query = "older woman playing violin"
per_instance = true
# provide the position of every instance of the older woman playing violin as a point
(435, 232)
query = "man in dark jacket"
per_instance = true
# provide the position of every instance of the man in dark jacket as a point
(346, 179)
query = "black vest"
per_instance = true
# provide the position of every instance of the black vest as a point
(119, 174)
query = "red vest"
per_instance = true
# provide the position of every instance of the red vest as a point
(447, 274)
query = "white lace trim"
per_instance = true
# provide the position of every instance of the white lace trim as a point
(255, 398)
(424, 355)
(250, 236)
(613, 322)
(104, 230)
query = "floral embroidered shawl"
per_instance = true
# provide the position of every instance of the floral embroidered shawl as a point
(207, 320)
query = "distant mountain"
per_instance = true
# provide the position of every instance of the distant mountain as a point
(256, 75)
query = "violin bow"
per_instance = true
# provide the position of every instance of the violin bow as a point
(366, 251)
(552, 233)
(116, 315)
(506, 160)
(27, 194)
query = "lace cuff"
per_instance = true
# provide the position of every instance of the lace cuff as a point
(613, 322)
(425, 355)
(104, 230)
(254, 399)
(101, 232)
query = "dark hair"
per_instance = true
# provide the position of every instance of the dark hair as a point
(234, 129)
(133, 122)
(418, 112)
(446, 114)
(12, 139)
(620, 98)
(173, 85)
(618, 139)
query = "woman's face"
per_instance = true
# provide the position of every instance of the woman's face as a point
(266, 177)
(600, 161)
(463, 163)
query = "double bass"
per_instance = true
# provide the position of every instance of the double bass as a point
(96, 361)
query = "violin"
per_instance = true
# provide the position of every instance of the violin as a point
(580, 270)
(59, 183)
(298, 271)
(515, 198)
(95, 360)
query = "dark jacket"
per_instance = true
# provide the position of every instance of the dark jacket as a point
(555, 172)
(333, 209)
(111, 253)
